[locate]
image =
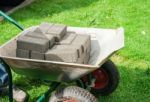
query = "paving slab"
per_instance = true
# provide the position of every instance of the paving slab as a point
(62, 54)
(84, 59)
(67, 39)
(83, 40)
(38, 30)
(34, 44)
(78, 48)
(87, 58)
(37, 55)
(38, 34)
(45, 27)
(51, 39)
(67, 48)
(58, 31)
(22, 53)
(82, 43)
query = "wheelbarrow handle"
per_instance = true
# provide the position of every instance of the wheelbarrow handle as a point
(11, 20)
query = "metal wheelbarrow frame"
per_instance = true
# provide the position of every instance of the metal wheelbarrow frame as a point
(105, 42)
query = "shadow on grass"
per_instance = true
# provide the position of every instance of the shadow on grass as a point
(27, 83)
(134, 86)
(34, 87)
(41, 9)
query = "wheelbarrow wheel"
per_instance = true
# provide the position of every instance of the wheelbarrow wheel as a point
(106, 79)
(72, 94)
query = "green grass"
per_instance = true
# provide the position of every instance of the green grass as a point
(133, 61)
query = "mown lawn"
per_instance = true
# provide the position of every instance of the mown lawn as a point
(133, 61)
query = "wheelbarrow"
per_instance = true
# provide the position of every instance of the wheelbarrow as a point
(100, 76)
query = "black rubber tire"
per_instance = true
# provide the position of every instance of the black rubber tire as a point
(114, 77)
(74, 92)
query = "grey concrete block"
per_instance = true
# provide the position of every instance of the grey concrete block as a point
(34, 44)
(87, 58)
(37, 55)
(51, 39)
(68, 47)
(83, 40)
(58, 31)
(22, 53)
(36, 34)
(61, 54)
(78, 48)
(45, 26)
(38, 30)
(84, 58)
(80, 60)
(67, 39)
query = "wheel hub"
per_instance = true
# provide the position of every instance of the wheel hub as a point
(101, 77)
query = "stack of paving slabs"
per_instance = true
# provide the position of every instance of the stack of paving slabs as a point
(54, 43)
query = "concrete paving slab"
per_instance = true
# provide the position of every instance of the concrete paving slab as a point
(67, 47)
(67, 39)
(45, 26)
(37, 55)
(84, 58)
(87, 58)
(22, 53)
(62, 55)
(58, 31)
(38, 30)
(38, 34)
(34, 44)
(51, 40)
(83, 40)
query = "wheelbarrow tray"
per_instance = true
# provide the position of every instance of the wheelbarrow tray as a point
(104, 42)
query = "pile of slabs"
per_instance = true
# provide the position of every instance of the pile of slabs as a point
(54, 43)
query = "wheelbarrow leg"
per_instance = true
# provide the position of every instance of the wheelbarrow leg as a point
(8, 70)
(80, 83)
(90, 80)
(52, 87)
